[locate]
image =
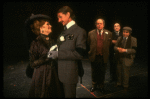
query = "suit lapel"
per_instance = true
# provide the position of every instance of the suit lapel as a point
(105, 35)
(95, 34)
(65, 33)
(69, 30)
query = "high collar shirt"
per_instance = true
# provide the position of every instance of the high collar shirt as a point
(71, 23)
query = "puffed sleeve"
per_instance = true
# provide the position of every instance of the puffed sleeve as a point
(33, 54)
(35, 60)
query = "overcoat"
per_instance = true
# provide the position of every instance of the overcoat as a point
(92, 42)
(70, 51)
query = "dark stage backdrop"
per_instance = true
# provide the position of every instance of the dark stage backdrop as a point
(133, 14)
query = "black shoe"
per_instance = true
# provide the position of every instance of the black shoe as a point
(125, 89)
(92, 89)
(102, 90)
(112, 80)
(118, 85)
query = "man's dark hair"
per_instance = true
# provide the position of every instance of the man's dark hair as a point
(66, 9)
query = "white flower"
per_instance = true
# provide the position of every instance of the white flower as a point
(106, 32)
(62, 38)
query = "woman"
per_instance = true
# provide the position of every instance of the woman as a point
(45, 82)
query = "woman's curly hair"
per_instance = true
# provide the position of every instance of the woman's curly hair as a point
(35, 27)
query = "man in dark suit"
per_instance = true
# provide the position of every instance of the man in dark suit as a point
(99, 41)
(71, 46)
(112, 56)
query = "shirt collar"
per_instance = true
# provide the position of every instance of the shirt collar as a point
(71, 23)
(117, 31)
(125, 37)
(101, 30)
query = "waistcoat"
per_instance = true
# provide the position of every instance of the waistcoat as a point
(99, 49)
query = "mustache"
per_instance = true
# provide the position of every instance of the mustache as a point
(61, 21)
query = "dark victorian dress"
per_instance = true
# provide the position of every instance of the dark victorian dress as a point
(45, 82)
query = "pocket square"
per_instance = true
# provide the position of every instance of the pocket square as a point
(70, 37)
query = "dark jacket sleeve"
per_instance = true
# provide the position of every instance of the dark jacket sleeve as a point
(79, 50)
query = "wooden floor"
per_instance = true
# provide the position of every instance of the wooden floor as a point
(16, 84)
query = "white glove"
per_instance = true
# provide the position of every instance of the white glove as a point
(54, 47)
(53, 54)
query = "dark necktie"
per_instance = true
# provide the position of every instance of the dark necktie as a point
(99, 32)
(65, 28)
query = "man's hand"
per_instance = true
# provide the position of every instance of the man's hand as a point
(114, 41)
(121, 50)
